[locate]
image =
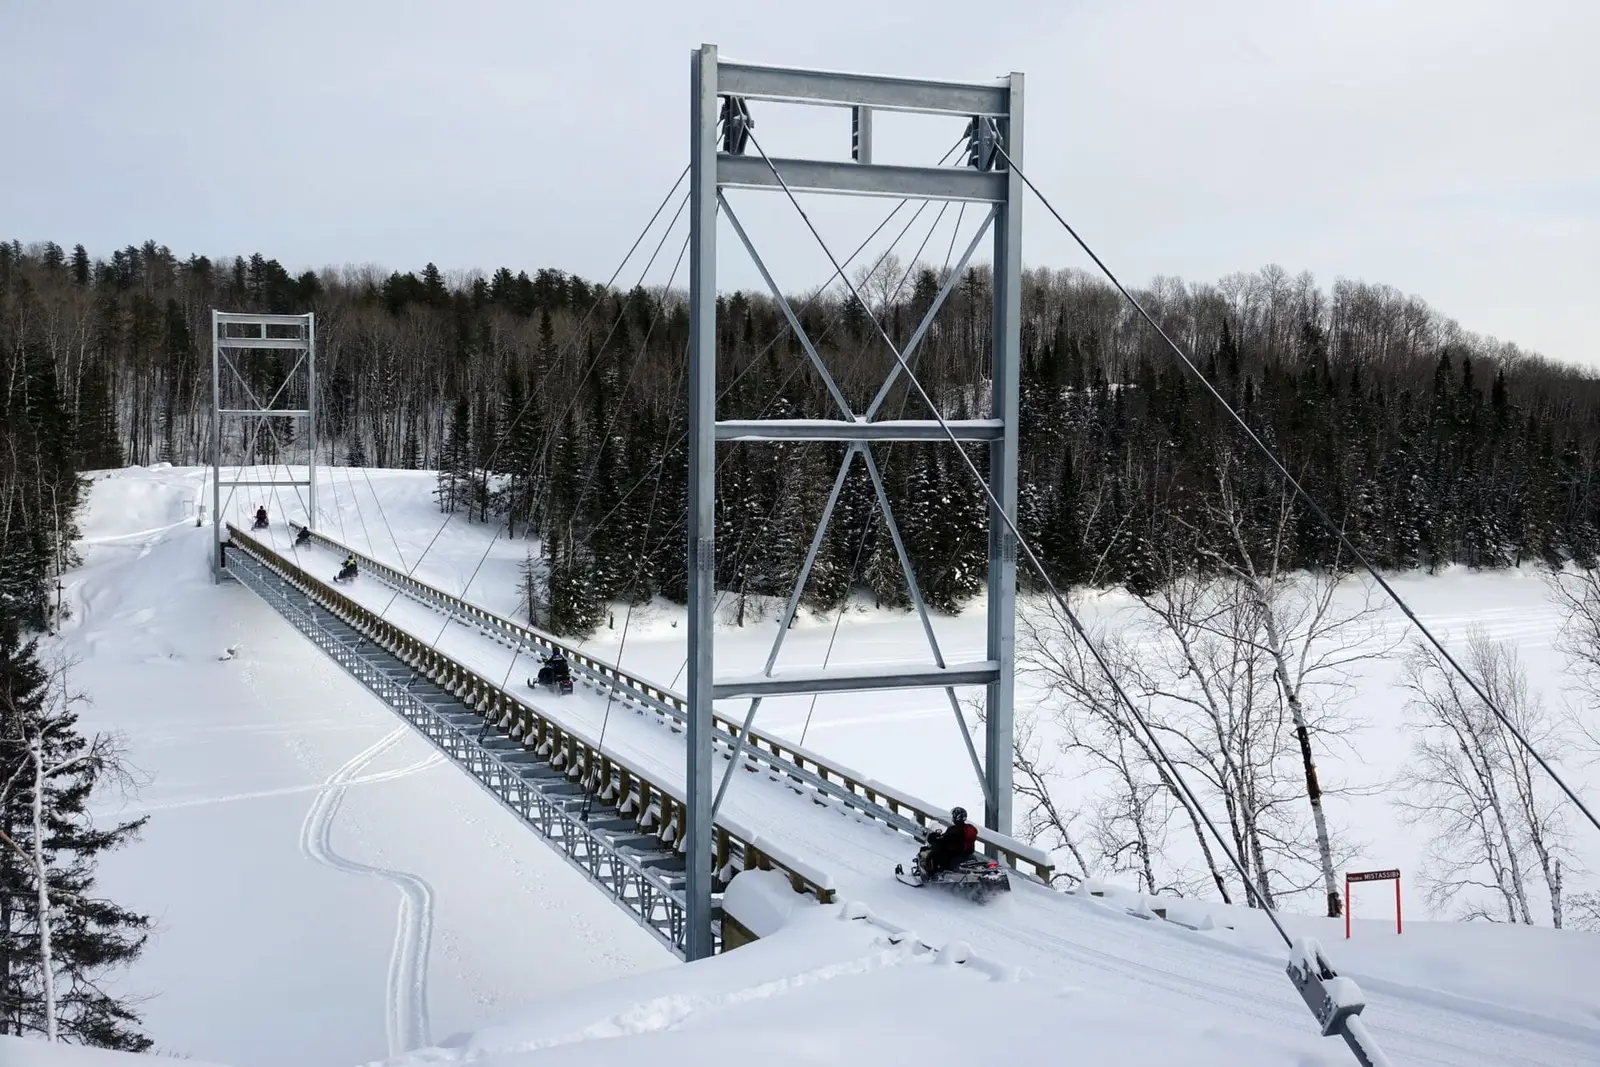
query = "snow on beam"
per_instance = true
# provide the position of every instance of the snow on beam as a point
(876, 179)
(252, 318)
(263, 342)
(840, 430)
(859, 680)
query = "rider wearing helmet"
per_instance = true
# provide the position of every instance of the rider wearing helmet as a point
(946, 848)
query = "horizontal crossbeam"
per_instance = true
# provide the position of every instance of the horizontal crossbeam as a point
(859, 680)
(879, 91)
(839, 430)
(867, 179)
(263, 342)
(254, 319)
(280, 412)
(230, 485)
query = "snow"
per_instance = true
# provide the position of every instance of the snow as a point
(763, 902)
(331, 892)
(308, 857)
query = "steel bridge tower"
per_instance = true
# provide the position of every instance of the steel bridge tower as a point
(239, 399)
(723, 90)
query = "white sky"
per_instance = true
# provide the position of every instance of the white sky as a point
(1450, 148)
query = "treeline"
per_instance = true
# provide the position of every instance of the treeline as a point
(558, 405)
(61, 351)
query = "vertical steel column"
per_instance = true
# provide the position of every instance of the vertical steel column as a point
(1007, 346)
(216, 446)
(702, 489)
(311, 419)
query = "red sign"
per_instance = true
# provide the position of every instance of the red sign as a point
(1371, 876)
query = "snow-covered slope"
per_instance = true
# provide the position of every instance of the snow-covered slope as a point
(327, 889)
(839, 984)
(309, 863)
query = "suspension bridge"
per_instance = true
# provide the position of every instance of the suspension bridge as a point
(633, 782)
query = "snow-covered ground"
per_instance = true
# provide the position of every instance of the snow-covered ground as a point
(313, 865)
(328, 889)
(839, 984)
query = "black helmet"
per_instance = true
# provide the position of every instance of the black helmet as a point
(958, 815)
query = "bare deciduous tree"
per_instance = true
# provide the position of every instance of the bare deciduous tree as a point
(1312, 640)
(1488, 804)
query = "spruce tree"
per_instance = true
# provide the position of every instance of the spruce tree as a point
(453, 459)
(45, 763)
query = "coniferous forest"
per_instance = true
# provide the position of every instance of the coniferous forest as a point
(556, 406)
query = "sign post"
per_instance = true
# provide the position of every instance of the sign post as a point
(1371, 876)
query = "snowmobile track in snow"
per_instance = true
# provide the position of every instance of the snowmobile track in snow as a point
(406, 1007)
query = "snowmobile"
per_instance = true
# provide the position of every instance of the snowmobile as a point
(554, 674)
(348, 572)
(260, 522)
(302, 535)
(976, 875)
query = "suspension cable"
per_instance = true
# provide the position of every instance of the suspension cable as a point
(533, 394)
(888, 457)
(361, 514)
(782, 332)
(384, 516)
(627, 619)
(837, 318)
(1316, 509)
(553, 430)
(638, 357)
(998, 509)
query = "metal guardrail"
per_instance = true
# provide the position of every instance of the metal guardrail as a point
(806, 769)
(501, 742)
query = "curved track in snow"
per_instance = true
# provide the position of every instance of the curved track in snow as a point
(406, 996)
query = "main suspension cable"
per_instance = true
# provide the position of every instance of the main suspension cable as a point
(998, 509)
(1316, 509)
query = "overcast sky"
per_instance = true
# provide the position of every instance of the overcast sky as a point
(1450, 148)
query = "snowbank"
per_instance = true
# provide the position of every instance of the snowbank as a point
(827, 988)
(763, 902)
(27, 1052)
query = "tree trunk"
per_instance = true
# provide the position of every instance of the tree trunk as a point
(1330, 881)
(46, 962)
(1319, 819)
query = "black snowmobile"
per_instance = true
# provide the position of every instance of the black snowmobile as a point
(260, 522)
(348, 572)
(976, 875)
(554, 674)
(302, 534)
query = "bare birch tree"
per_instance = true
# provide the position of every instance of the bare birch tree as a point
(1492, 814)
(1312, 639)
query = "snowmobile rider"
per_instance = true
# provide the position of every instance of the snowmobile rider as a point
(946, 848)
(261, 517)
(559, 671)
(303, 536)
(348, 570)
